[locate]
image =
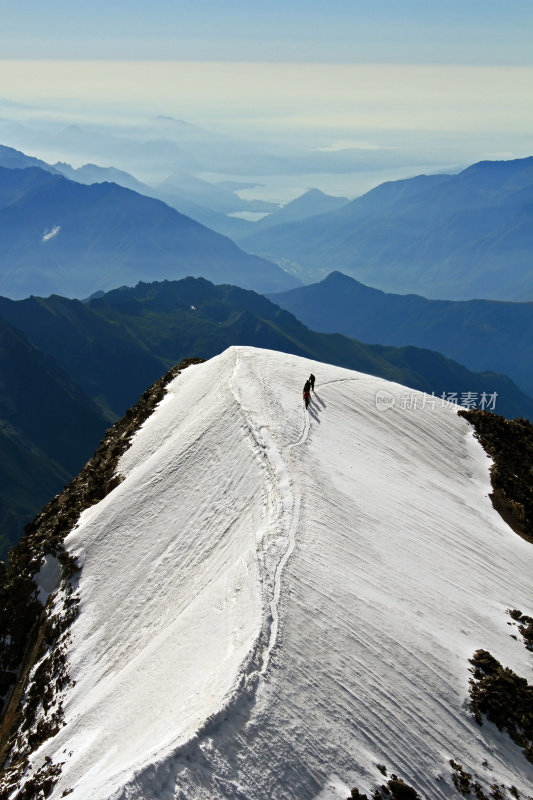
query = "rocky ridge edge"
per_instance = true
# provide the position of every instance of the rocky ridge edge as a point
(33, 638)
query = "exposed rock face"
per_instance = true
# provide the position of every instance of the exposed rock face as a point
(510, 444)
(504, 698)
(32, 662)
(394, 789)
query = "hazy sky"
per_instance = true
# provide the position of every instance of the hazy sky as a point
(447, 98)
(461, 69)
(385, 31)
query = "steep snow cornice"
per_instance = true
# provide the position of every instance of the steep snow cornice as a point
(35, 635)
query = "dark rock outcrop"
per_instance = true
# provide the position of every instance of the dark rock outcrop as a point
(504, 698)
(510, 444)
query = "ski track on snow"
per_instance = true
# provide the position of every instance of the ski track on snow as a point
(284, 493)
(282, 486)
(288, 492)
(283, 496)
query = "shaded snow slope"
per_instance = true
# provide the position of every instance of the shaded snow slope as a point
(274, 601)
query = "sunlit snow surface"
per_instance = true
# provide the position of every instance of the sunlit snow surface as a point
(275, 601)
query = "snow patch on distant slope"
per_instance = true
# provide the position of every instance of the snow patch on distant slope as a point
(51, 233)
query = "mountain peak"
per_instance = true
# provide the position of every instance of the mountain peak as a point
(268, 585)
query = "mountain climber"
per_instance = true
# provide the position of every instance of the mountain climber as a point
(307, 393)
(312, 382)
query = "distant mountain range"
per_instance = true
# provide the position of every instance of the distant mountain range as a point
(307, 205)
(482, 334)
(78, 366)
(115, 344)
(207, 203)
(158, 147)
(15, 159)
(48, 429)
(211, 204)
(205, 207)
(457, 237)
(64, 237)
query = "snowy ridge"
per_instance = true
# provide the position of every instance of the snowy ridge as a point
(275, 601)
(287, 501)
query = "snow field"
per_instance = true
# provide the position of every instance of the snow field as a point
(273, 601)
(171, 601)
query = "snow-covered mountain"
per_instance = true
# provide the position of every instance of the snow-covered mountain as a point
(281, 603)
